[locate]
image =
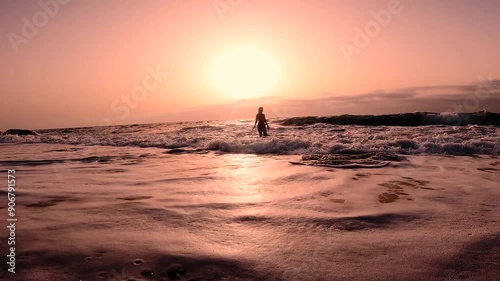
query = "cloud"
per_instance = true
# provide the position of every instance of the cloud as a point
(473, 97)
(444, 98)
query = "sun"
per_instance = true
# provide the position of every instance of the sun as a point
(243, 73)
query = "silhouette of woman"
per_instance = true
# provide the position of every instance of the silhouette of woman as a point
(261, 118)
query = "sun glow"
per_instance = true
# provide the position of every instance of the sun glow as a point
(244, 73)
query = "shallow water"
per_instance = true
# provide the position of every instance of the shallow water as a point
(124, 213)
(238, 137)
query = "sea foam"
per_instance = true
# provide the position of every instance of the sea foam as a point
(292, 136)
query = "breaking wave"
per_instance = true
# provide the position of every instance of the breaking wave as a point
(404, 119)
(297, 136)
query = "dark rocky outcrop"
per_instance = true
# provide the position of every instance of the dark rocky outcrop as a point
(20, 132)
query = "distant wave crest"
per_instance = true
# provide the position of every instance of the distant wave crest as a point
(403, 119)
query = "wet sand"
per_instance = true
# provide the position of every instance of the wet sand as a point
(123, 213)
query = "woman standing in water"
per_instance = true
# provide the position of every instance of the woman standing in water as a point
(261, 118)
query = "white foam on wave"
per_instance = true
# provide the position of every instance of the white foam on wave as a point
(318, 138)
(273, 146)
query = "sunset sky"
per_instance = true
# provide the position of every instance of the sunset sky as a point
(94, 62)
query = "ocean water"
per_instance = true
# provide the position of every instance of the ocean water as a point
(213, 201)
(237, 136)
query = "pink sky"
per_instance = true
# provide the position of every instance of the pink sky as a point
(78, 65)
